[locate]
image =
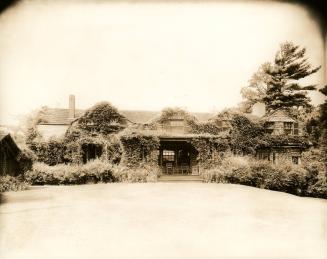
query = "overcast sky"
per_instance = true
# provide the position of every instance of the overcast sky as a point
(143, 56)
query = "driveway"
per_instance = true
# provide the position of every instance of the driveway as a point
(161, 220)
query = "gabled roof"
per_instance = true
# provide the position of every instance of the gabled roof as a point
(278, 115)
(57, 116)
(5, 137)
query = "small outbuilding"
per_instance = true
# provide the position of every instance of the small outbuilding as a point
(9, 152)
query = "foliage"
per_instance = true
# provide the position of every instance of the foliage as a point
(30, 125)
(92, 172)
(257, 88)
(142, 173)
(323, 125)
(283, 89)
(25, 160)
(138, 147)
(209, 149)
(10, 183)
(50, 152)
(319, 189)
(276, 84)
(169, 113)
(312, 128)
(281, 140)
(102, 118)
(246, 135)
(299, 180)
(206, 127)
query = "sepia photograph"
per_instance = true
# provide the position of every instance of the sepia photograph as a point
(139, 129)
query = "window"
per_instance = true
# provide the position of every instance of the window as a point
(270, 131)
(178, 123)
(296, 129)
(295, 160)
(168, 155)
(288, 126)
(264, 155)
(270, 125)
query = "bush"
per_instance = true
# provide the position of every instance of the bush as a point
(10, 183)
(319, 189)
(294, 179)
(50, 152)
(25, 160)
(92, 172)
(143, 173)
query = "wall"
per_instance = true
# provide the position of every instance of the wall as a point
(48, 131)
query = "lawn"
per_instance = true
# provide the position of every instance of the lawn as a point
(161, 220)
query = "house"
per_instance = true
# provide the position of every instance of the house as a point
(288, 131)
(9, 152)
(54, 122)
(175, 129)
(175, 155)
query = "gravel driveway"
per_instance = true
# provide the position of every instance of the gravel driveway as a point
(161, 220)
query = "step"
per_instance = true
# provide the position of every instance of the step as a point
(180, 178)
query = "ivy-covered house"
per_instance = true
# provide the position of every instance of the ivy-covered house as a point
(175, 140)
(287, 141)
(175, 130)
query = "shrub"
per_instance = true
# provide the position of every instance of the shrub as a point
(143, 173)
(50, 152)
(294, 179)
(94, 171)
(10, 183)
(319, 189)
(25, 160)
(259, 170)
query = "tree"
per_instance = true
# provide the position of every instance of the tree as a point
(277, 84)
(257, 88)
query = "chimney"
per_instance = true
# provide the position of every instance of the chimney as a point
(71, 106)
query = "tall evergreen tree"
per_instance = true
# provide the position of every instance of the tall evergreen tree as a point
(277, 84)
(283, 88)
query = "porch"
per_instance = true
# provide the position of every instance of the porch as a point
(177, 157)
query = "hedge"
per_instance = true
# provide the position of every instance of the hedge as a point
(288, 178)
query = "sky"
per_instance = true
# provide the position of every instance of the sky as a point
(144, 56)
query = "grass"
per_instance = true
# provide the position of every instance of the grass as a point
(161, 220)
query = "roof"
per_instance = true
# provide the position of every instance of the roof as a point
(3, 134)
(278, 115)
(6, 137)
(58, 116)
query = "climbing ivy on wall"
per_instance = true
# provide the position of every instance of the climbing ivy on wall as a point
(139, 148)
(210, 149)
(102, 118)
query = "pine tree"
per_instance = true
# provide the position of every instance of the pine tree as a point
(283, 88)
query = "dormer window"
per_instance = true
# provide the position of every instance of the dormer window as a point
(288, 127)
(269, 127)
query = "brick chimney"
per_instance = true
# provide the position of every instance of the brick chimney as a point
(71, 106)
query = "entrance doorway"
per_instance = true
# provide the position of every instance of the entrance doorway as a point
(177, 157)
